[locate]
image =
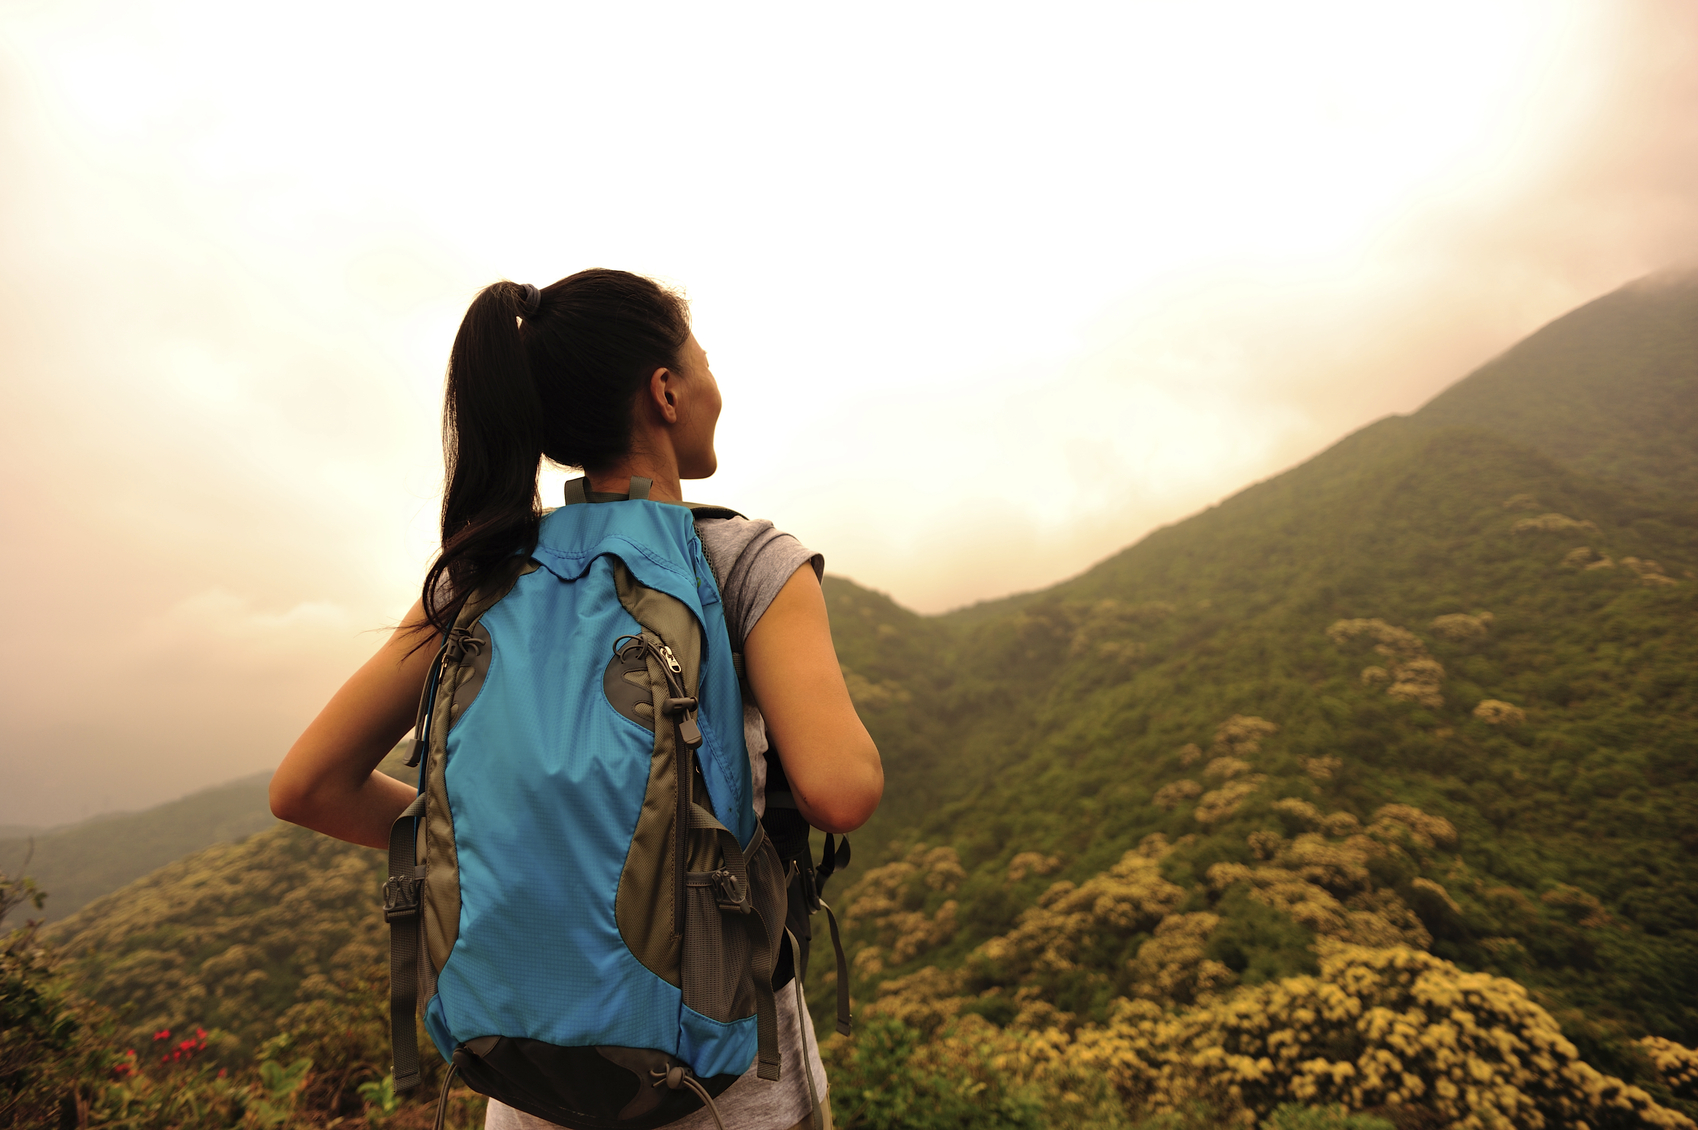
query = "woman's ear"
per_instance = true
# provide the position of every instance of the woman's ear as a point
(661, 396)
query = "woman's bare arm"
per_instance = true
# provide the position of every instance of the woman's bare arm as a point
(327, 781)
(830, 759)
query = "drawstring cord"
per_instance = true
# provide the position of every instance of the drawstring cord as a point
(678, 1077)
(441, 1119)
(805, 1022)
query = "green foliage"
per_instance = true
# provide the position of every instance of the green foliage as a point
(380, 1099)
(1259, 942)
(282, 1086)
(1291, 1116)
(890, 1078)
(43, 1040)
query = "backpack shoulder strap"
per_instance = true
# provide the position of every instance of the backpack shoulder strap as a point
(578, 492)
(703, 510)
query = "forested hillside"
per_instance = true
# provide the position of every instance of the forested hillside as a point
(86, 860)
(1375, 785)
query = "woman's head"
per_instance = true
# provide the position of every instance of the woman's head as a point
(561, 383)
(594, 341)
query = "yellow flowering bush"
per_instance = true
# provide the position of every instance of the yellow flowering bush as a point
(1459, 627)
(1241, 735)
(1552, 524)
(1675, 1065)
(893, 899)
(1494, 712)
(1173, 967)
(1129, 898)
(1032, 863)
(1415, 676)
(1648, 572)
(1223, 802)
(1376, 1028)
(1171, 795)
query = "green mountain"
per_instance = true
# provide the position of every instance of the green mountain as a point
(81, 862)
(1610, 391)
(1376, 783)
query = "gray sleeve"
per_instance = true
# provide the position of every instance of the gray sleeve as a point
(752, 561)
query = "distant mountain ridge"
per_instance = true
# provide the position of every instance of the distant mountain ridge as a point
(79, 863)
(1609, 390)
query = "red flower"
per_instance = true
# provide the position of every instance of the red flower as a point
(162, 1034)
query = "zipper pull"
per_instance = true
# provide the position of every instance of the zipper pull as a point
(671, 660)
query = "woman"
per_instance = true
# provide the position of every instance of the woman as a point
(601, 371)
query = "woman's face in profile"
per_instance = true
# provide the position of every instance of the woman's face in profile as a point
(698, 414)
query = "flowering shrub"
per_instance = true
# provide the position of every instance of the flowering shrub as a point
(1224, 801)
(1578, 558)
(1415, 676)
(893, 900)
(1129, 898)
(1322, 768)
(1675, 1065)
(1170, 796)
(1648, 572)
(1494, 712)
(1242, 734)
(1379, 1027)
(1032, 863)
(1459, 627)
(1551, 524)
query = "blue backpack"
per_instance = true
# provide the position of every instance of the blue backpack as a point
(581, 893)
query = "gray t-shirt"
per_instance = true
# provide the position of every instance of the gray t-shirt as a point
(752, 562)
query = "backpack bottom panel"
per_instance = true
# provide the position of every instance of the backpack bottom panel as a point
(586, 1088)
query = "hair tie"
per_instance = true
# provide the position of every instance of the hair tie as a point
(532, 300)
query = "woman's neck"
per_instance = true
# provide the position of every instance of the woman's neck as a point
(617, 478)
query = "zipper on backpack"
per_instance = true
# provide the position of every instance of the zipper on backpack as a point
(682, 710)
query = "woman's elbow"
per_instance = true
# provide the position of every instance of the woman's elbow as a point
(847, 806)
(288, 799)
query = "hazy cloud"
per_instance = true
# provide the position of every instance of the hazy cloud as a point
(983, 316)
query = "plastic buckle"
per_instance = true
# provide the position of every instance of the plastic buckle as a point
(732, 893)
(401, 898)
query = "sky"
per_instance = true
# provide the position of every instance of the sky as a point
(991, 291)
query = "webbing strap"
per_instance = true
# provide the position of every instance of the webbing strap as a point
(401, 908)
(765, 944)
(843, 1017)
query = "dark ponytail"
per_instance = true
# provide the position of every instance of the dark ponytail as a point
(559, 384)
